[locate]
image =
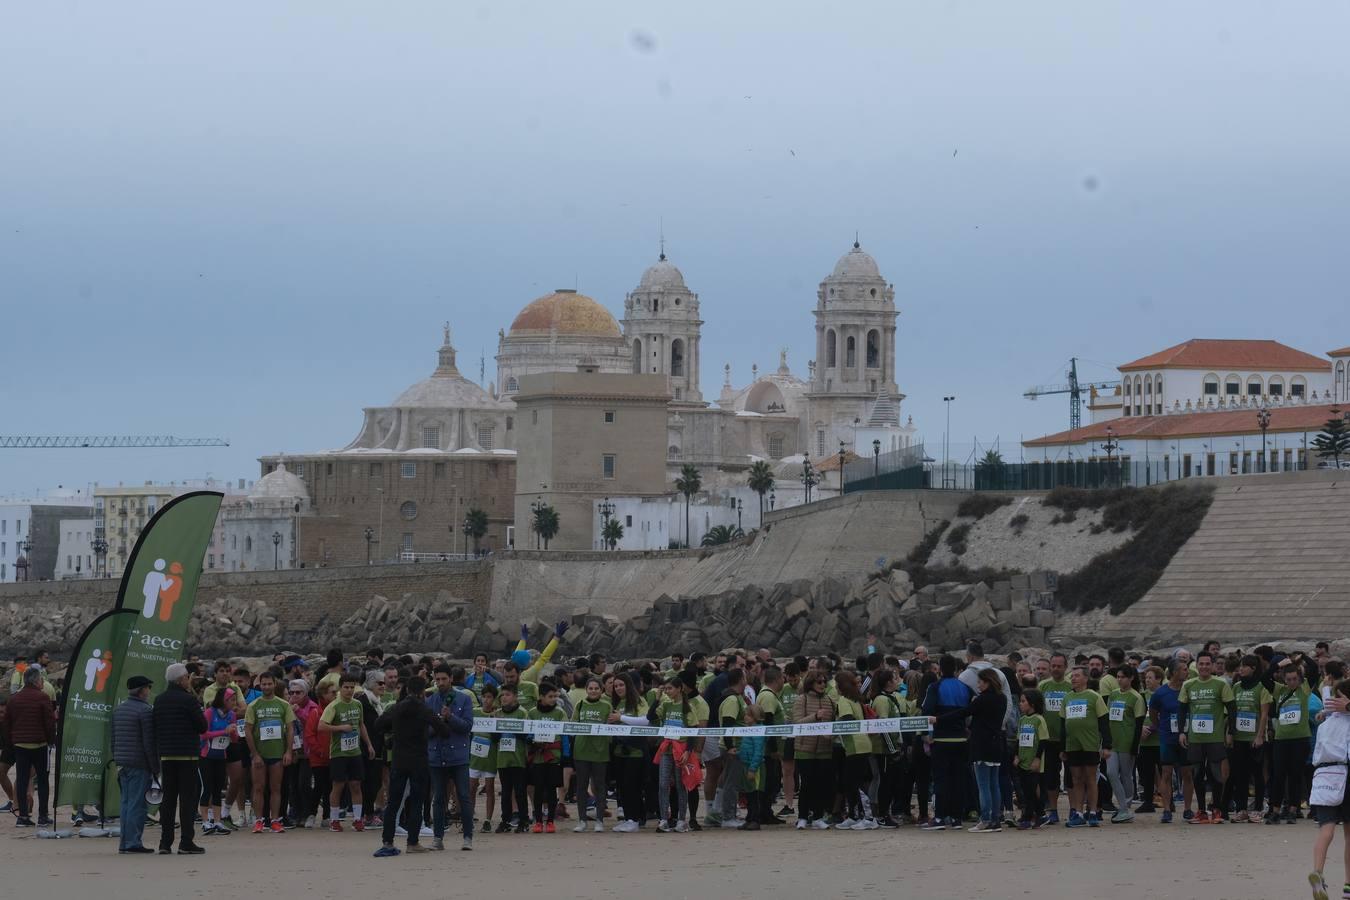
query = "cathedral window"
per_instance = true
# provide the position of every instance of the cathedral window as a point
(607, 465)
(407, 470)
(431, 437)
(873, 349)
(775, 446)
(850, 353)
(637, 357)
(485, 437)
(830, 361)
(820, 442)
(677, 358)
(408, 510)
(512, 385)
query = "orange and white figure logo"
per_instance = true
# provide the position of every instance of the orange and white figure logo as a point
(97, 668)
(161, 591)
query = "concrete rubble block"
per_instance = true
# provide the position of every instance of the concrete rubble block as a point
(1043, 618)
(1020, 618)
(795, 609)
(799, 629)
(1029, 637)
(1021, 582)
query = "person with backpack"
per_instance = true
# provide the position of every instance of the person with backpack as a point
(409, 722)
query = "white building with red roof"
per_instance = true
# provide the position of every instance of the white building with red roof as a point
(1209, 407)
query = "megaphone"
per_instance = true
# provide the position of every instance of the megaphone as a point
(154, 794)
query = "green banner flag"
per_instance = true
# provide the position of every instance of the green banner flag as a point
(143, 635)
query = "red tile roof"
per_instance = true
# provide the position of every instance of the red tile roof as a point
(1205, 353)
(1344, 351)
(1305, 417)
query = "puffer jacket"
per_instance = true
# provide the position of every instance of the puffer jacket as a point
(30, 717)
(179, 723)
(452, 750)
(133, 735)
(316, 744)
(804, 710)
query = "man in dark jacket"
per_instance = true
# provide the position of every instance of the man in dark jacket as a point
(179, 725)
(31, 718)
(137, 757)
(949, 760)
(449, 756)
(409, 720)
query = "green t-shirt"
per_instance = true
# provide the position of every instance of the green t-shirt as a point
(1031, 731)
(481, 755)
(1054, 692)
(1207, 720)
(699, 713)
(343, 743)
(544, 750)
(269, 721)
(527, 695)
(853, 743)
(886, 708)
(1107, 685)
(1123, 709)
(510, 748)
(671, 712)
(592, 747)
(788, 699)
(1153, 739)
(1291, 713)
(1081, 711)
(576, 694)
(704, 680)
(1247, 716)
(631, 752)
(731, 708)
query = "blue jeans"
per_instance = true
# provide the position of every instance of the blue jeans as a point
(133, 783)
(991, 796)
(441, 776)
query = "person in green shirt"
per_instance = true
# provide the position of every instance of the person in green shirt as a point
(1206, 723)
(886, 746)
(1127, 712)
(792, 681)
(729, 714)
(510, 756)
(268, 730)
(482, 760)
(545, 759)
(772, 712)
(1246, 761)
(1149, 755)
(1053, 690)
(1087, 740)
(523, 675)
(590, 756)
(343, 722)
(1289, 715)
(1032, 734)
(630, 757)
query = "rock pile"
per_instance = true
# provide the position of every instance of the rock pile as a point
(230, 625)
(446, 624)
(24, 629)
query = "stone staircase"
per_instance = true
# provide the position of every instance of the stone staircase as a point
(1271, 560)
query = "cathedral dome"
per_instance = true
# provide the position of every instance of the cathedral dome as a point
(565, 312)
(279, 484)
(446, 388)
(663, 275)
(856, 264)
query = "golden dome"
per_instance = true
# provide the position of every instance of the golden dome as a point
(565, 312)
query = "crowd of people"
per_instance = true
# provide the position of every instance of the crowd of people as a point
(388, 743)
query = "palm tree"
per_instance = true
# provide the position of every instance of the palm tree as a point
(688, 484)
(721, 534)
(546, 524)
(760, 480)
(476, 525)
(612, 533)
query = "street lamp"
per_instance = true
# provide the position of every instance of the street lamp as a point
(771, 496)
(537, 505)
(606, 510)
(876, 461)
(1263, 422)
(1110, 445)
(808, 476)
(370, 537)
(276, 550)
(841, 467)
(100, 548)
(24, 565)
(465, 529)
(946, 443)
(738, 513)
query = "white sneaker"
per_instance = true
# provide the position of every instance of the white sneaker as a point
(847, 824)
(801, 824)
(732, 823)
(400, 831)
(681, 826)
(309, 822)
(627, 826)
(581, 827)
(664, 827)
(820, 825)
(426, 831)
(599, 826)
(865, 825)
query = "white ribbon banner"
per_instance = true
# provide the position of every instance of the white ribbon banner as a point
(554, 727)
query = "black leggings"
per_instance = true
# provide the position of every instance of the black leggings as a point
(857, 776)
(1146, 761)
(1286, 780)
(213, 781)
(323, 786)
(817, 794)
(512, 780)
(628, 773)
(1033, 804)
(1245, 770)
(914, 779)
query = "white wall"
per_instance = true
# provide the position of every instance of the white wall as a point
(75, 558)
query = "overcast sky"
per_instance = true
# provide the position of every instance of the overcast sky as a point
(250, 219)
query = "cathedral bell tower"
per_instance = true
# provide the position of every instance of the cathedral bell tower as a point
(662, 327)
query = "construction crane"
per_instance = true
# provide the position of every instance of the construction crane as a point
(102, 441)
(1074, 389)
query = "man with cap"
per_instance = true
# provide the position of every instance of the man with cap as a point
(134, 751)
(179, 724)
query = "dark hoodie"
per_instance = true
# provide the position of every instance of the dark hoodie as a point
(410, 720)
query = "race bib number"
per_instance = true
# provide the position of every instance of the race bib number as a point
(1291, 715)
(675, 721)
(480, 748)
(1245, 722)
(1054, 702)
(1077, 709)
(1027, 737)
(349, 741)
(1172, 723)
(297, 742)
(1118, 711)
(220, 743)
(1202, 724)
(269, 730)
(507, 744)
(239, 727)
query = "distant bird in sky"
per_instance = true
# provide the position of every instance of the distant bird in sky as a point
(793, 152)
(953, 153)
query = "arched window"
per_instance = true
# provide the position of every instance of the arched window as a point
(1211, 385)
(1275, 387)
(408, 510)
(1232, 386)
(873, 349)
(1298, 387)
(656, 304)
(637, 357)
(512, 385)
(248, 542)
(677, 357)
(850, 353)
(1128, 384)
(1254, 386)
(830, 359)
(1148, 386)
